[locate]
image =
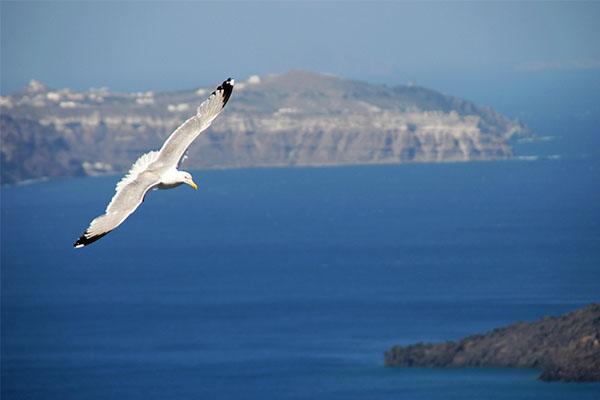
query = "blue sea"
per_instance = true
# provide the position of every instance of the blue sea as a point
(292, 283)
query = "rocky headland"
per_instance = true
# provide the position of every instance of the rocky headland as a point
(292, 119)
(566, 348)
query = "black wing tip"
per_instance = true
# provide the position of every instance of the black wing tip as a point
(85, 240)
(227, 84)
(226, 87)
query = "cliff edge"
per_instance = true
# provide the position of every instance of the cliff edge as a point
(292, 119)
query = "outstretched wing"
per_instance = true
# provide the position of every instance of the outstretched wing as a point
(175, 146)
(130, 194)
(145, 173)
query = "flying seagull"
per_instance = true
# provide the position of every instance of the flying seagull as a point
(157, 169)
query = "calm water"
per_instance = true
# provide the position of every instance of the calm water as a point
(291, 283)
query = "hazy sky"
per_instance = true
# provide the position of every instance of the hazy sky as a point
(131, 46)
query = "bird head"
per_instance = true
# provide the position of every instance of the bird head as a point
(187, 178)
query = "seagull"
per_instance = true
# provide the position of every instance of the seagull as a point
(157, 169)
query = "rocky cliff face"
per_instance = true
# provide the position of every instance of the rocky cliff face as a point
(566, 347)
(298, 118)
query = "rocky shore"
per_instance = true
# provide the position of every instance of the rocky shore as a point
(566, 348)
(298, 118)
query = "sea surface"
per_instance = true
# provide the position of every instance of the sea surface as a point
(292, 283)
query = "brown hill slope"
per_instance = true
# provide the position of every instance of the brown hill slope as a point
(297, 118)
(566, 347)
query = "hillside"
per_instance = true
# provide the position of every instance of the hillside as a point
(297, 118)
(567, 348)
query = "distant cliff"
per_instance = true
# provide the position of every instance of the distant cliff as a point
(297, 118)
(567, 348)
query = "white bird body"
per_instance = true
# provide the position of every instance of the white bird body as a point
(173, 178)
(157, 169)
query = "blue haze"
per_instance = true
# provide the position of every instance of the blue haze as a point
(139, 46)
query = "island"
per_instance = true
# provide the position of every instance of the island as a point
(566, 348)
(298, 118)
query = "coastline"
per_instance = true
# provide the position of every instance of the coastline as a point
(566, 348)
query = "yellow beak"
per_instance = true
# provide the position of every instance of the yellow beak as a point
(192, 184)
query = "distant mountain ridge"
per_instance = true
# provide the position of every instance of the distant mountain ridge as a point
(296, 118)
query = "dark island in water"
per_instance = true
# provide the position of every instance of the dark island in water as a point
(566, 347)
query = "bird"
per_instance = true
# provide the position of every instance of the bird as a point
(157, 169)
